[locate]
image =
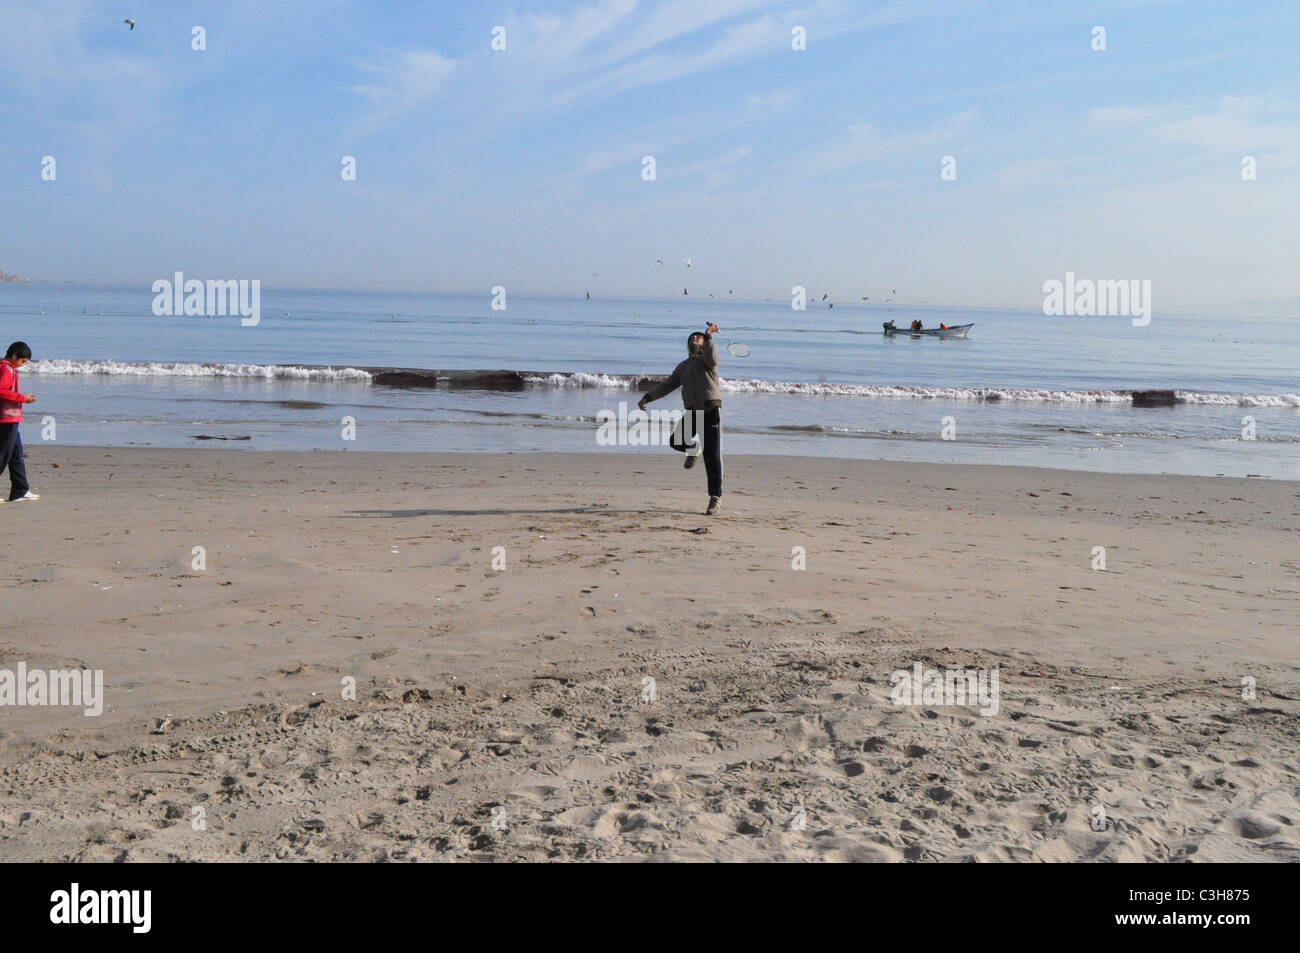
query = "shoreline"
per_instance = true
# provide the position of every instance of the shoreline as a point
(522, 687)
(239, 443)
(214, 444)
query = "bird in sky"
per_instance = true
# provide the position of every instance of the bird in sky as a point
(688, 263)
(588, 295)
(825, 296)
(129, 22)
(660, 260)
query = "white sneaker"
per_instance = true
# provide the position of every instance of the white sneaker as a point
(29, 495)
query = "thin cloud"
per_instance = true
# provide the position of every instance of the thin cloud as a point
(1029, 171)
(771, 100)
(556, 61)
(44, 51)
(1108, 116)
(712, 165)
(866, 143)
(404, 84)
(598, 162)
(562, 38)
(1232, 128)
(1236, 126)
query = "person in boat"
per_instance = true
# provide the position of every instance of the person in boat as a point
(943, 327)
(916, 325)
(890, 326)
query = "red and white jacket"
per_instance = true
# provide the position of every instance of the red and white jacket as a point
(11, 400)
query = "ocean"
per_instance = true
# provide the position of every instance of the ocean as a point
(1022, 389)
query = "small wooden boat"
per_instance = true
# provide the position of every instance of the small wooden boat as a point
(956, 331)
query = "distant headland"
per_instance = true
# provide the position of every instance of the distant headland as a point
(5, 276)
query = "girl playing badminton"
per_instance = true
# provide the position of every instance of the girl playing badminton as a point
(697, 376)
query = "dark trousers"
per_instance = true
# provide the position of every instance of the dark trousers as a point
(11, 456)
(707, 424)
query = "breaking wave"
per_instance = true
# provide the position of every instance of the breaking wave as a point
(415, 378)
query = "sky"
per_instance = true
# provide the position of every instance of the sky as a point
(524, 167)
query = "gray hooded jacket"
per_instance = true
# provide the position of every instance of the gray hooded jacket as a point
(697, 376)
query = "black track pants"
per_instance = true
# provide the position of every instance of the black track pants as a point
(707, 423)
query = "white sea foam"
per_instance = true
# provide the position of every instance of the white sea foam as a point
(628, 381)
(1034, 395)
(611, 381)
(160, 369)
(1242, 400)
(919, 392)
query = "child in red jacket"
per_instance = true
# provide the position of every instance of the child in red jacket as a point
(11, 415)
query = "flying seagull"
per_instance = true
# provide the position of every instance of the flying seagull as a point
(688, 263)
(129, 22)
(660, 260)
(824, 296)
(588, 295)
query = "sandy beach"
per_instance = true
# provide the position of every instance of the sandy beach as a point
(508, 712)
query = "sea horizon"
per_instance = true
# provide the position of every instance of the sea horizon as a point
(1277, 309)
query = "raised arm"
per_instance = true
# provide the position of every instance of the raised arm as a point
(670, 384)
(710, 352)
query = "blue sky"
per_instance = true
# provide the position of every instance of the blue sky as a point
(774, 167)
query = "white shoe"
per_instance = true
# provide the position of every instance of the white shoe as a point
(29, 495)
